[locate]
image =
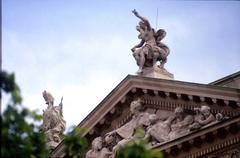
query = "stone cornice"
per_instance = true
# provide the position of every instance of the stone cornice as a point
(180, 87)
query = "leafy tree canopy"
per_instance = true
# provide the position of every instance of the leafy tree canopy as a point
(138, 150)
(20, 138)
(75, 145)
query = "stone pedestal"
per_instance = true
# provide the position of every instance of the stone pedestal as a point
(156, 72)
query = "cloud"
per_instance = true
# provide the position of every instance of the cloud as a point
(82, 70)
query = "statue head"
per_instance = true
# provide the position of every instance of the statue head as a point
(109, 139)
(205, 110)
(179, 111)
(153, 118)
(135, 106)
(48, 97)
(97, 143)
(142, 25)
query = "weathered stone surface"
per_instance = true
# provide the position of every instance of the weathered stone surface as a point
(150, 50)
(161, 97)
(53, 123)
(97, 150)
(156, 72)
(155, 130)
(203, 117)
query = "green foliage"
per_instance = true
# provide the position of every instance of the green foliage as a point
(76, 146)
(138, 150)
(20, 138)
(8, 85)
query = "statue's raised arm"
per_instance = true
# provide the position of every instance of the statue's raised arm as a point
(148, 43)
(150, 53)
(144, 20)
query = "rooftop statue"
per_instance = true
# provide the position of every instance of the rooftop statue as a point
(53, 123)
(150, 50)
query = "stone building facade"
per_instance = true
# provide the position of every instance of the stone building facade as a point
(216, 135)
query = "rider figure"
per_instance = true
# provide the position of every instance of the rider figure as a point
(147, 37)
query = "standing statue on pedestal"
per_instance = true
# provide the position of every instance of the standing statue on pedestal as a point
(150, 49)
(53, 123)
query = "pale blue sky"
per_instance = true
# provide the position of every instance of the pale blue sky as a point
(81, 49)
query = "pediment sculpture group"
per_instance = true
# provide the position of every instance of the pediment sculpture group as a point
(155, 130)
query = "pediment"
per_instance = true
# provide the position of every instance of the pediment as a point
(218, 140)
(158, 97)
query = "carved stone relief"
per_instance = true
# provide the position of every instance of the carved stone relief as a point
(157, 129)
(97, 150)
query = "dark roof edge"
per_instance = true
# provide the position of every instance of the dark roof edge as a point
(226, 78)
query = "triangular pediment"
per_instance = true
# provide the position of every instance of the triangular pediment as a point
(160, 97)
(213, 141)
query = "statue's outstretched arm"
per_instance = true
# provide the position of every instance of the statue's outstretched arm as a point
(142, 18)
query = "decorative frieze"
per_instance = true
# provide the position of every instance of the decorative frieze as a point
(158, 129)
